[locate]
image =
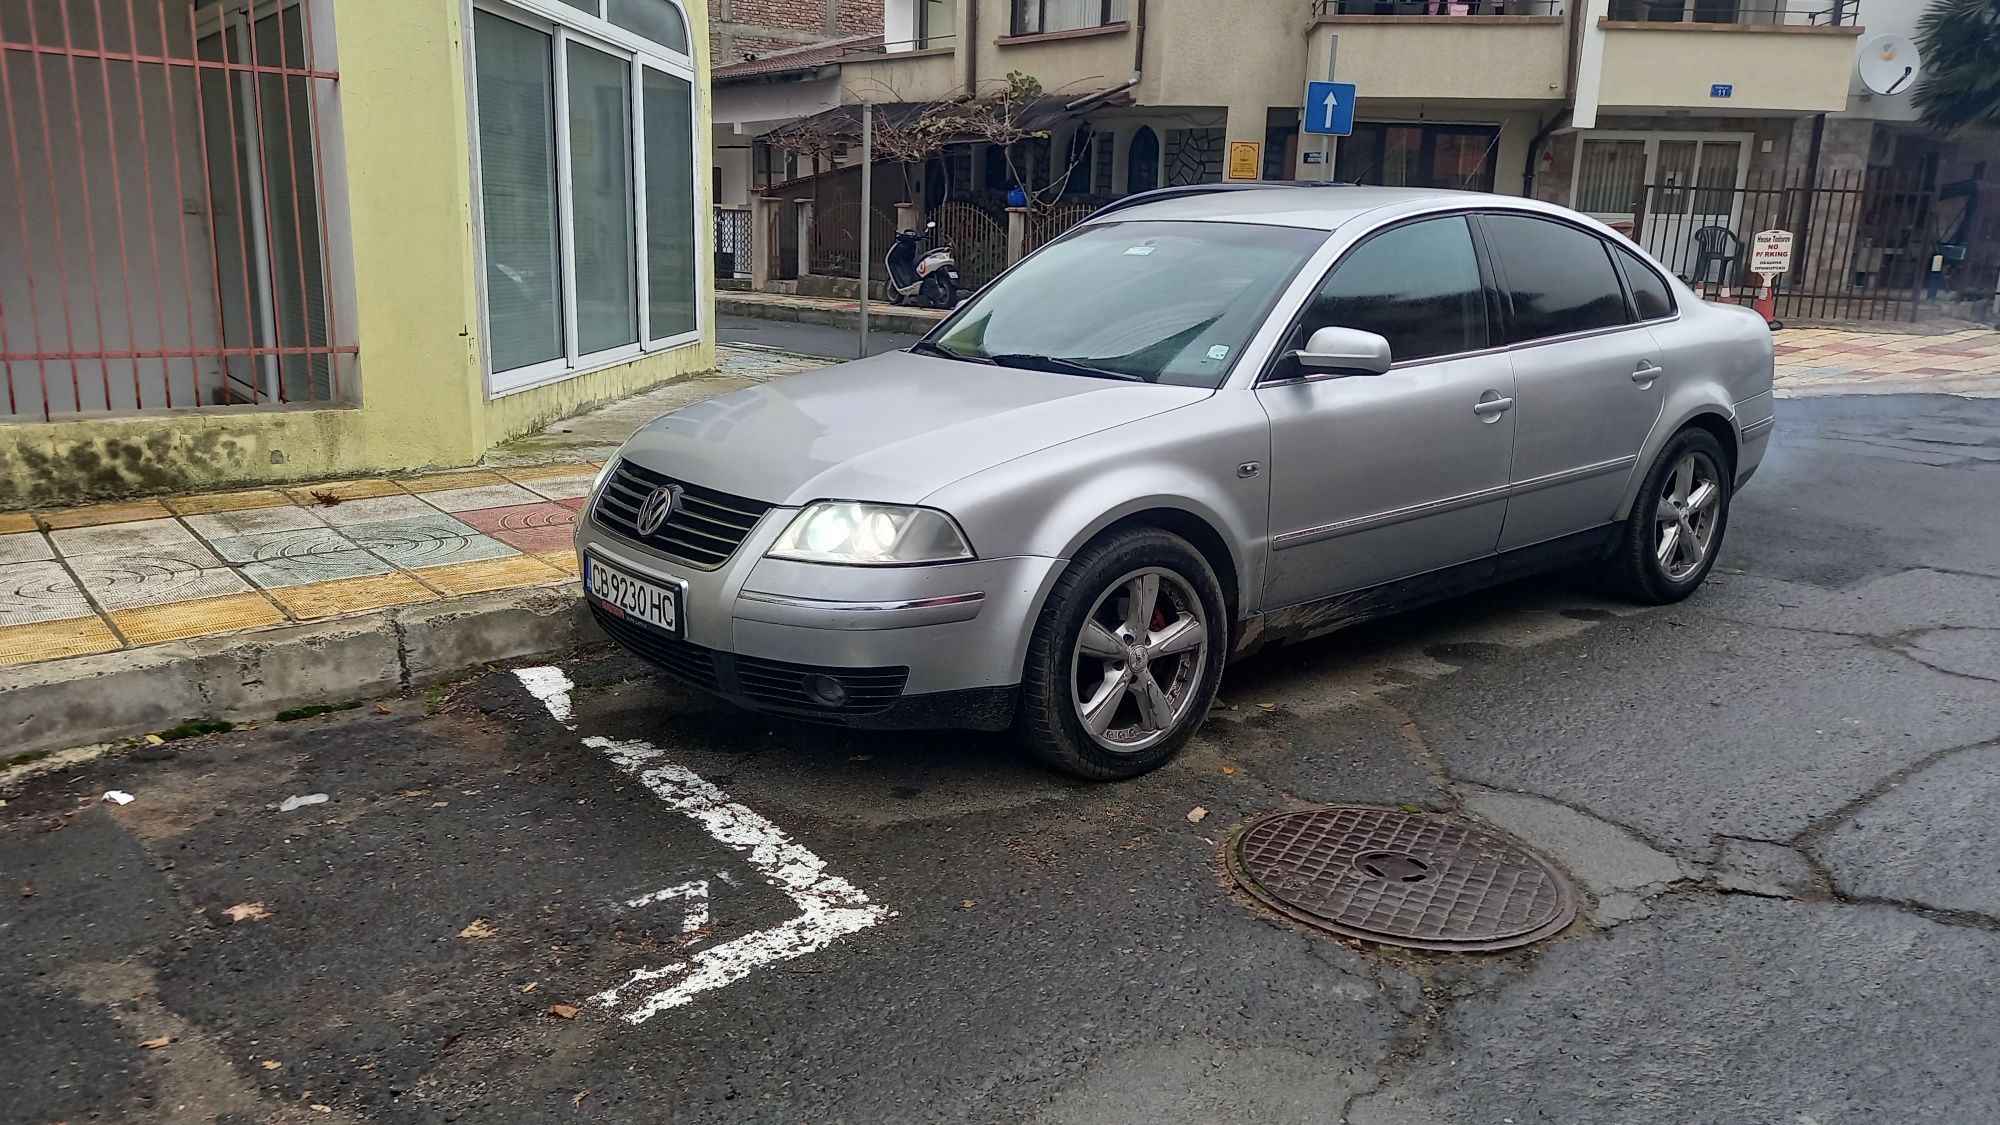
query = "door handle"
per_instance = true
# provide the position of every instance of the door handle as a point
(1490, 408)
(1647, 371)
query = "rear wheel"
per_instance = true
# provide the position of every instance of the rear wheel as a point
(1670, 541)
(1126, 657)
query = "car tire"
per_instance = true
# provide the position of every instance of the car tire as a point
(1142, 725)
(1667, 545)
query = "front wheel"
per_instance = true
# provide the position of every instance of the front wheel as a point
(1670, 541)
(1125, 658)
(943, 293)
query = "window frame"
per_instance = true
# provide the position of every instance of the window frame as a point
(565, 25)
(1508, 337)
(1017, 10)
(1277, 367)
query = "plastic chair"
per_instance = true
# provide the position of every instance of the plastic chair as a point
(1716, 246)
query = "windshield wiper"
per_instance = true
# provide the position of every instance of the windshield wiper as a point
(1061, 366)
(926, 347)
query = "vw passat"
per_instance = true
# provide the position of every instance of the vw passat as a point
(1202, 421)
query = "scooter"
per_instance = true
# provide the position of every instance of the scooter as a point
(931, 279)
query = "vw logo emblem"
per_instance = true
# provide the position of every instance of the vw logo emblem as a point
(657, 508)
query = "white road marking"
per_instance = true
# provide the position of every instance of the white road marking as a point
(830, 907)
(696, 894)
(552, 686)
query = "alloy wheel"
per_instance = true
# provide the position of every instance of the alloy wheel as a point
(1139, 659)
(1685, 519)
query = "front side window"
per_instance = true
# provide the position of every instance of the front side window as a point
(1039, 17)
(1559, 279)
(1415, 285)
(1159, 302)
(587, 187)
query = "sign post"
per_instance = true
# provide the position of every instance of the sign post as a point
(1770, 258)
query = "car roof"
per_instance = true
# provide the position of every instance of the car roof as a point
(1314, 207)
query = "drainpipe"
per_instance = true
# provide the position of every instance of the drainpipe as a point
(1535, 150)
(971, 38)
(1138, 63)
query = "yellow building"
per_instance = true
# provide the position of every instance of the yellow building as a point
(259, 240)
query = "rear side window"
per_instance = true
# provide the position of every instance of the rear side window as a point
(1417, 285)
(1559, 278)
(1649, 294)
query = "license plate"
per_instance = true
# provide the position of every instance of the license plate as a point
(654, 603)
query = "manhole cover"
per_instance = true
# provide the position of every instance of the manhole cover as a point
(1401, 878)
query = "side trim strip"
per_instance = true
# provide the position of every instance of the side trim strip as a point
(1752, 429)
(1452, 503)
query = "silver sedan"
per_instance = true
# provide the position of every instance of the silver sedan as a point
(1202, 422)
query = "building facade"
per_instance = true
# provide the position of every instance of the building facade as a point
(302, 238)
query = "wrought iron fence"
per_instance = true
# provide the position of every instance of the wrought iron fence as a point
(1827, 13)
(732, 241)
(1438, 7)
(164, 171)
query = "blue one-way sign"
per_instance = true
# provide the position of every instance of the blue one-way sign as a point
(1330, 108)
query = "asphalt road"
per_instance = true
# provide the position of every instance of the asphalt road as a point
(1777, 800)
(807, 339)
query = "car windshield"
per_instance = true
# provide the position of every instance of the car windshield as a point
(1159, 302)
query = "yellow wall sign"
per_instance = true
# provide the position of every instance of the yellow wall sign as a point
(1245, 160)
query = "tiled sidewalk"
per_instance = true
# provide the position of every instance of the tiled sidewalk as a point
(1818, 361)
(110, 576)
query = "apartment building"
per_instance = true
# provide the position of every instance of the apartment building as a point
(275, 240)
(1581, 102)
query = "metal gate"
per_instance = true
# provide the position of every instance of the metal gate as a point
(1865, 241)
(1046, 224)
(978, 240)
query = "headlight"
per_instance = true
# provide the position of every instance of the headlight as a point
(841, 531)
(603, 475)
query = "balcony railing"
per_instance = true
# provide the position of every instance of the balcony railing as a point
(1825, 13)
(1438, 7)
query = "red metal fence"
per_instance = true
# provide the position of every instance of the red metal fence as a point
(163, 173)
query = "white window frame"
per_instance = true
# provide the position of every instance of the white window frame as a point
(565, 25)
(1652, 139)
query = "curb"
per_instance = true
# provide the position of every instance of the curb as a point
(61, 704)
(888, 318)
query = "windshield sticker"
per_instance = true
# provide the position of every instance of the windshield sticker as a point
(1139, 251)
(1219, 352)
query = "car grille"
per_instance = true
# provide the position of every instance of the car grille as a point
(772, 683)
(705, 529)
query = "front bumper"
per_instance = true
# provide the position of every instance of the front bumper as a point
(922, 646)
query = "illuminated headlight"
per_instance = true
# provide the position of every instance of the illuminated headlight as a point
(871, 535)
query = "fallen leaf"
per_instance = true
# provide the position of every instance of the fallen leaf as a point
(155, 740)
(270, 1064)
(156, 1042)
(969, 903)
(1267, 706)
(563, 1011)
(577, 1101)
(1227, 770)
(247, 912)
(479, 928)
(1197, 814)
(440, 804)
(1411, 808)
(318, 1108)
(382, 709)
(326, 499)
(528, 987)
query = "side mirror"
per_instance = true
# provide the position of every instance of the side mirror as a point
(1344, 351)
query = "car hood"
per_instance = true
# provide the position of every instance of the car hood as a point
(893, 428)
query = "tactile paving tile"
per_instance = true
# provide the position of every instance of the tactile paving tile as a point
(491, 574)
(131, 581)
(499, 495)
(563, 488)
(105, 513)
(255, 521)
(440, 482)
(11, 522)
(528, 474)
(270, 546)
(208, 503)
(164, 537)
(377, 509)
(51, 640)
(434, 541)
(564, 561)
(39, 591)
(199, 618)
(1401, 878)
(544, 526)
(351, 595)
(309, 494)
(24, 546)
(304, 570)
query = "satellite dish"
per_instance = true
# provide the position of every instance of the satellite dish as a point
(1889, 64)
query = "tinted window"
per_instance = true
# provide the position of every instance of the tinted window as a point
(1417, 285)
(1649, 293)
(1560, 278)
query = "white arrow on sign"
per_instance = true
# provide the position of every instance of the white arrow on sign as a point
(1332, 103)
(829, 906)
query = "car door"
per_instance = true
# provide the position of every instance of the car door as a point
(1587, 375)
(1379, 477)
